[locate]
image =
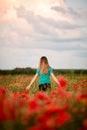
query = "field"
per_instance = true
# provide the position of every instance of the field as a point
(61, 108)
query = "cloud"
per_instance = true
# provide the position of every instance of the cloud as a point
(30, 29)
(65, 11)
(30, 57)
(50, 30)
(35, 31)
(82, 54)
(78, 12)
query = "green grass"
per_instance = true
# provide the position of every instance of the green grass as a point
(15, 83)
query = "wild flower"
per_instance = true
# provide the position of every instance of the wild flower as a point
(61, 109)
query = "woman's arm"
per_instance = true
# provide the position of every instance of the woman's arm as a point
(55, 79)
(32, 81)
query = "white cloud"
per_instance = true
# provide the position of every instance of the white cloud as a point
(30, 29)
(30, 58)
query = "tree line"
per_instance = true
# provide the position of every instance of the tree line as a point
(31, 71)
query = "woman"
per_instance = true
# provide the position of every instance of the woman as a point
(44, 72)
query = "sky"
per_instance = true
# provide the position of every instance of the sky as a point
(56, 29)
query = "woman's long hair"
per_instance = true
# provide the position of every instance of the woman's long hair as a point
(44, 65)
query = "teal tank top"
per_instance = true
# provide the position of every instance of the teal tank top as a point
(44, 78)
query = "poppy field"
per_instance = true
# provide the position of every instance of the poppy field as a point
(61, 108)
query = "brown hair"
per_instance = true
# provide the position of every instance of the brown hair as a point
(44, 65)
